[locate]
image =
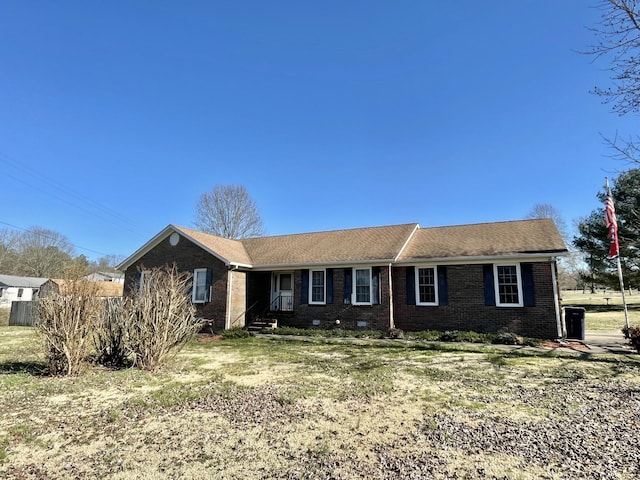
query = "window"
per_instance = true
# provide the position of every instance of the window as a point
(426, 286)
(508, 285)
(318, 287)
(141, 278)
(201, 286)
(20, 292)
(362, 286)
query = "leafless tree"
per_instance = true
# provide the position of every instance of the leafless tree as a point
(546, 210)
(618, 41)
(43, 253)
(8, 240)
(228, 211)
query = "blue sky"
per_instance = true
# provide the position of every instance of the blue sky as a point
(116, 116)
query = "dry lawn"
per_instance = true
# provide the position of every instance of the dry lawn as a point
(4, 316)
(277, 408)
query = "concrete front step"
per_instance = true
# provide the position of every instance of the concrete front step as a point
(259, 325)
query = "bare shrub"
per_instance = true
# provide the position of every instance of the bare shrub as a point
(109, 338)
(67, 322)
(160, 317)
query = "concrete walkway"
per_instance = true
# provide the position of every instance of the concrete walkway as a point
(603, 341)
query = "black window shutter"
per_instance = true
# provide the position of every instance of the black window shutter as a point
(347, 286)
(528, 293)
(411, 285)
(489, 288)
(207, 293)
(329, 285)
(375, 285)
(304, 290)
(443, 291)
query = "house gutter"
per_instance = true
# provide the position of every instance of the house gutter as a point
(556, 300)
(296, 266)
(480, 259)
(227, 320)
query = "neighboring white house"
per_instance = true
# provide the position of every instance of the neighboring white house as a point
(21, 289)
(117, 277)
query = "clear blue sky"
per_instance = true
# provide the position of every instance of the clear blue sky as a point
(115, 116)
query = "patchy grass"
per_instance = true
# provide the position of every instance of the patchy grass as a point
(254, 408)
(5, 313)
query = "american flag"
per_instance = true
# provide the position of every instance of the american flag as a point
(612, 226)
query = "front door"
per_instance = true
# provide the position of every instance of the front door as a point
(282, 292)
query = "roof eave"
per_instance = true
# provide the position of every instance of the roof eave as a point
(334, 264)
(484, 258)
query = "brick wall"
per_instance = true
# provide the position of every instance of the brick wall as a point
(304, 314)
(187, 257)
(238, 298)
(466, 309)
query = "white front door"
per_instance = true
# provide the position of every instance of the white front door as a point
(282, 292)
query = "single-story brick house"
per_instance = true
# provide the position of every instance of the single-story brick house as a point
(483, 277)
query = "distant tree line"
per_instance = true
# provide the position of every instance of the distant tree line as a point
(39, 252)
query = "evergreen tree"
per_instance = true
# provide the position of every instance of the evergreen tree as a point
(592, 238)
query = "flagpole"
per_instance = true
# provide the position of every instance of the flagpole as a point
(624, 303)
(614, 220)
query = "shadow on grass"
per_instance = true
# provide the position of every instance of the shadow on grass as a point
(36, 369)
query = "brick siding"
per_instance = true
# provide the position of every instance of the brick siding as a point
(304, 314)
(187, 257)
(466, 309)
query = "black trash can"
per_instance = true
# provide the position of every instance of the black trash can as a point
(574, 321)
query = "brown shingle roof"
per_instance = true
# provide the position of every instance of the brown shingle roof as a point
(485, 239)
(404, 243)
(338, 246)
(232, 251)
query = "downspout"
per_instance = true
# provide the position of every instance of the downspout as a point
(556, 300)
(227, 320)
(392, 323)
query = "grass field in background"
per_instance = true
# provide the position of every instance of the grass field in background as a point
(599, 315)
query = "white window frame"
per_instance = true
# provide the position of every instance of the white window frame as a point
(324, 286)
(196, 273)
(141, 281)
(435, 284)
(354, 290)
(496, 283)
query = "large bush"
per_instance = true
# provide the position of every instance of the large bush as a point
(633, 334)
(110, 337)
(159, 317)
(67, 321)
